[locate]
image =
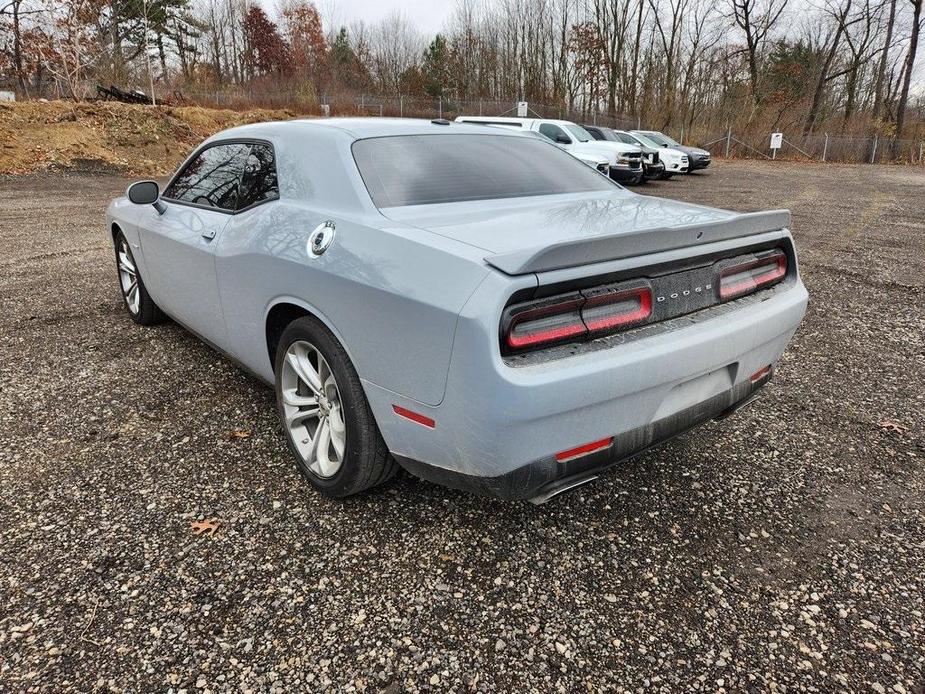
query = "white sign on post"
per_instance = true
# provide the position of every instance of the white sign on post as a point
(777, 141)
(521, 109)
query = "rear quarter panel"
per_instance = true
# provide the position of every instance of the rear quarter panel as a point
(390, 297)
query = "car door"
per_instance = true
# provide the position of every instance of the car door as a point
(179, 245)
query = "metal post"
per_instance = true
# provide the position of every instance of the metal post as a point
(921, 150)
(401, 106)
(380, 110)
(682, 134)
(595, 116)
(439, 107)
(873, 152)
(825, 146)
(362, 103)
(728, 141)
(480, 107)
(638, 122)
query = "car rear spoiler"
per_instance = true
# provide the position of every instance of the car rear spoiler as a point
(598, 249)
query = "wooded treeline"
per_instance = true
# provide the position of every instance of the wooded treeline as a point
(843, 66)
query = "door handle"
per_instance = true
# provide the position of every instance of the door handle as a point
(208, 235)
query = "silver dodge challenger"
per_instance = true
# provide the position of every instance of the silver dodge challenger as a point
(473, 305)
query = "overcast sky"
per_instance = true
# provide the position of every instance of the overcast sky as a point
(427, 15)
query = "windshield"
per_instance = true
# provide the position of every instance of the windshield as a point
(625, 138)
(662, 139)
(427, 169)
(647, 141)
(580, 133)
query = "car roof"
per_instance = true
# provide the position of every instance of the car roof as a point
(357, 128)
(512, 120)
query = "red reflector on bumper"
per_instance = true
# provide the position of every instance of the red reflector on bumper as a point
(760, 373)
(587, 448)
(414, 416)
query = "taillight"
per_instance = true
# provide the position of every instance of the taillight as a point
(605, 309)
(753, 274)
(546, 322)
(576, 316)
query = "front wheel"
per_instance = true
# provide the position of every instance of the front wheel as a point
(325, 415)
(138, 302)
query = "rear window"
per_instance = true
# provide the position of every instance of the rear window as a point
(427, 169)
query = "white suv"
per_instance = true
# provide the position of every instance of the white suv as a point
(625, 160)
(676, 160)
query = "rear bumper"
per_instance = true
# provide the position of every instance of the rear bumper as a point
(544, 478)
(500, 426)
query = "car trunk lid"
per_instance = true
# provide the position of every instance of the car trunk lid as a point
(538, 234)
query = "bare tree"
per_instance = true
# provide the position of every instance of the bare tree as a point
(756, 19)
(908, 68)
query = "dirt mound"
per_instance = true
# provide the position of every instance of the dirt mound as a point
(150, 140)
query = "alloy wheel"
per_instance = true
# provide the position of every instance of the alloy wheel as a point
(312, 410)
(128, 277)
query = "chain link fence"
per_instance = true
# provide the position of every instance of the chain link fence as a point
(729, 143)
(822, 148)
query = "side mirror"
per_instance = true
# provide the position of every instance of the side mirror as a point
(563, 139)
(146, 193)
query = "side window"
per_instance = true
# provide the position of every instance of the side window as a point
(259, 181)
(211, 179)
(553, 131)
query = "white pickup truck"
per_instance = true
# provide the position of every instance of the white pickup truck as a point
(625, 160)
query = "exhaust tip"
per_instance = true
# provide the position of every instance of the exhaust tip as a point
(554, 489)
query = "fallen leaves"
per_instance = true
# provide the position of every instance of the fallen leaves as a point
(895, 427)
(239, 434)
(208, 526)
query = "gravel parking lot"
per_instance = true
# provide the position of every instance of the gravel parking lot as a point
(780, 550)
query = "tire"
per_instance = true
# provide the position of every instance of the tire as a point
(363, 460)
(138, 303)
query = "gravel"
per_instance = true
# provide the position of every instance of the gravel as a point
(780, 550)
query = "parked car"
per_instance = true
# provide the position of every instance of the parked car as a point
(652, 166)
(595, 161)
(699, 158)
(475, 306)
(625, 160)
(675, 160)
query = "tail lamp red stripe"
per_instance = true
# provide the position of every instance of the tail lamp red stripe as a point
(625, 308)
(578, 451)
(578, 316)
(747, 277)
(547, 323)
(414, 416)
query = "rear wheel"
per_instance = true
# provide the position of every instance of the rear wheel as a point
(138, 302)
(325, 415)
